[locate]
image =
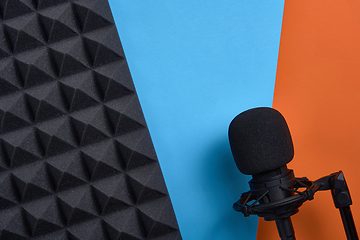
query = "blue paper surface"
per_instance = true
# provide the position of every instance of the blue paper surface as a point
(195, 66)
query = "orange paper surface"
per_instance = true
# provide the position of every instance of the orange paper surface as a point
(318, 91)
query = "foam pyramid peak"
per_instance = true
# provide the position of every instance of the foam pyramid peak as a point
(24, 35)
(72, 47)
(129, 141)
(29, 24)
(16, 139)
(43, 216)
(125, 124)
(99, 151)
(17, 114)
(52, 127)
(159, 211)
(14, 8)
(113, 194)
(100, 51)
(145, 146)
(50, 93)
(98, 6)
(111, 88)
(35, 58)
(59, 23)
(123, 117)
(133, 159)
(79, 52)
(65, 134)
(67, 170)
(104, 152)
(67, 46)
(67, 179)
(22, 147)
(12, 120)
(127, 223)
(44, 209)
(99, 169)
(57, 136)
(107, 37)
(91, 20)
(21, 156)
(143, 193)
(111, 186)
(138, 152)
(84, 82)
(13, 225)
(32, 186)
(78, 99)
(78, 204)
(35, 69)
(153, 227)
(39, 208)
(150, 179)
(76, 199)
(56, 127)
(118, 107)
(64, 162)
(46, 102)
(69, 56)
(89, 115)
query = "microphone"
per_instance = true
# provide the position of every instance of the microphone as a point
(261, 145)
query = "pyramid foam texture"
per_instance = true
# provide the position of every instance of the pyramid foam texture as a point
(76, 158)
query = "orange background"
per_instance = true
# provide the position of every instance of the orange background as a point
(318, 91)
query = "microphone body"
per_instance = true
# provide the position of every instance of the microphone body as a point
(272, 194)
(261, 144)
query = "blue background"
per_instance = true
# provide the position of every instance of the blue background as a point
(196, 65)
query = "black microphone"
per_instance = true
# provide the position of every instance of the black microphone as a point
(261, 145)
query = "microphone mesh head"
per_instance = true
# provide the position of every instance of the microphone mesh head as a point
(260, 141)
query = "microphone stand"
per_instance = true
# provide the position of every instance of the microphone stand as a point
(342, 200)
(278, 198)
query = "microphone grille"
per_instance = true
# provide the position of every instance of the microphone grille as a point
(260, 141)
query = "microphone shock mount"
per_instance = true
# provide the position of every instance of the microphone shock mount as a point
(279, 197)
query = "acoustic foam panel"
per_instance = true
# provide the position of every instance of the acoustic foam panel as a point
(317, 89)
(76, 158)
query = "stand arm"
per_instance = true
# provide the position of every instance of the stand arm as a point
(342, 201)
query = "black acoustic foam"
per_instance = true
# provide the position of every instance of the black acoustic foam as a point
(76, 158)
